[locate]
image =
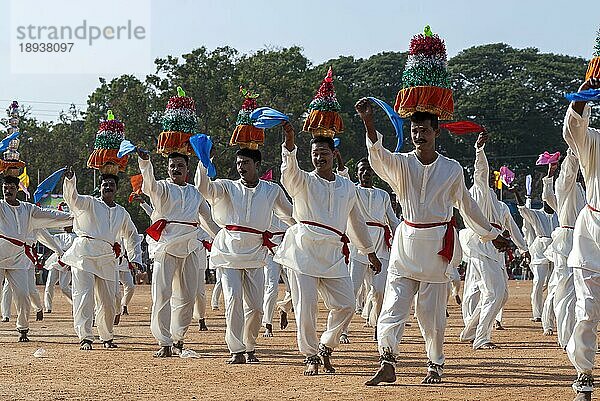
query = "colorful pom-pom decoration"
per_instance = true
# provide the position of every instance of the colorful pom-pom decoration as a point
(323, 111)
(593, 70)
(179, 123)
(111, 132)
(426, 80)
(245, 134)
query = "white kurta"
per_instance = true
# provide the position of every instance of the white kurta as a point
(543, 224)
(585, 143)
(567, 198)
(19, 223)
(495, 211)
(312, 250)
(65, 241)
(427, 194)
(106, 226)
(233, 203)
(172, 202)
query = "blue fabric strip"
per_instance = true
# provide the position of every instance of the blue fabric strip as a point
(395, 119)
(48, 185)
(6, 141)
(125, 148)
(584, 96)
(266, 117)
(202, 144)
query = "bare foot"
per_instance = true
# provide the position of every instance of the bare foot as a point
(375, 334)
(177, 348)
(498, 325)
(202, 325)
(237, 359)
(489, 345)
(548, 332)
(5, 320)
(457, 299)
(39, 316)
(583, 396)
(23, 336)
(164, 352)
(385, 374)
(367, 324)
(117, 320)
(432, 378)
(109, 344)
(312, 365)
(344, 339)
(325, 354)
(125, 311)
(268, 330)
(251, 357)
(85, 345)
(536, 319)
(48, 310)
(215, 308)
(283, 320)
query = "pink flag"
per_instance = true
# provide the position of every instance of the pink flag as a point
(268, 176)
(547, 158)
(506, 175)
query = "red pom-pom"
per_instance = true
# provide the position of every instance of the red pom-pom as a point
(427, 45)
(181, 102)
(249, 104)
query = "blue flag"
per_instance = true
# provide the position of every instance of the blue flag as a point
(202, 145)
(266, 117)
(584, 96)
(396, 120)
(48, 185)
(336, 142)
(126, 148)
(6, 141)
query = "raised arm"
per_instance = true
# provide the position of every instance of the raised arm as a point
(481, 175)
(47, 218)
(386, 165)
(70, 194)
(548, 194)
(567, 178)
(575, 129)
(293, 178)
(211, 190)
(515, 234)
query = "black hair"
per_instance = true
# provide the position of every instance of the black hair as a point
(254, 154)
(421, 116)
(109, 176)
(323, 139)
(176, 155)
(9, 179)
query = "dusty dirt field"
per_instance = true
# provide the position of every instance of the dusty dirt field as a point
(528, 366)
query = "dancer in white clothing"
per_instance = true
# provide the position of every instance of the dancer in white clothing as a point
(58, 271)
(585, 255)
(428, 186)
(244, 209)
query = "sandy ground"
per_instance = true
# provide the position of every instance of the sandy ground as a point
(527, 366)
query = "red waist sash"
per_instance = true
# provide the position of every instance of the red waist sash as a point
(387, 232)
(266, 235)
(156, 229)
(448, 242)
(116, 247)
(29, 252)
(343, 237)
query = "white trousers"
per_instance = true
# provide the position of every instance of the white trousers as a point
(123, 296)
(92, 293)
(564, 300)
(540, 281)
(243, 291)
(217, 290)
(374, 284)
(18, 281)
(338, 297)
(200, 300)
(582, 346)
(471, 293)
(430, 310)
(6, 299)
(174, 286)
(273, 271)
(493, 294)
(34, 295)
(64, 282)
(548, 318)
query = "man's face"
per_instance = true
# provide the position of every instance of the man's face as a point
(247, 168)
(108, 188)
(322, 157)
(423, 135)
(365, 174)
(178, 170)
(10, 192)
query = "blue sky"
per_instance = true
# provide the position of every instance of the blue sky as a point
(324, 29)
